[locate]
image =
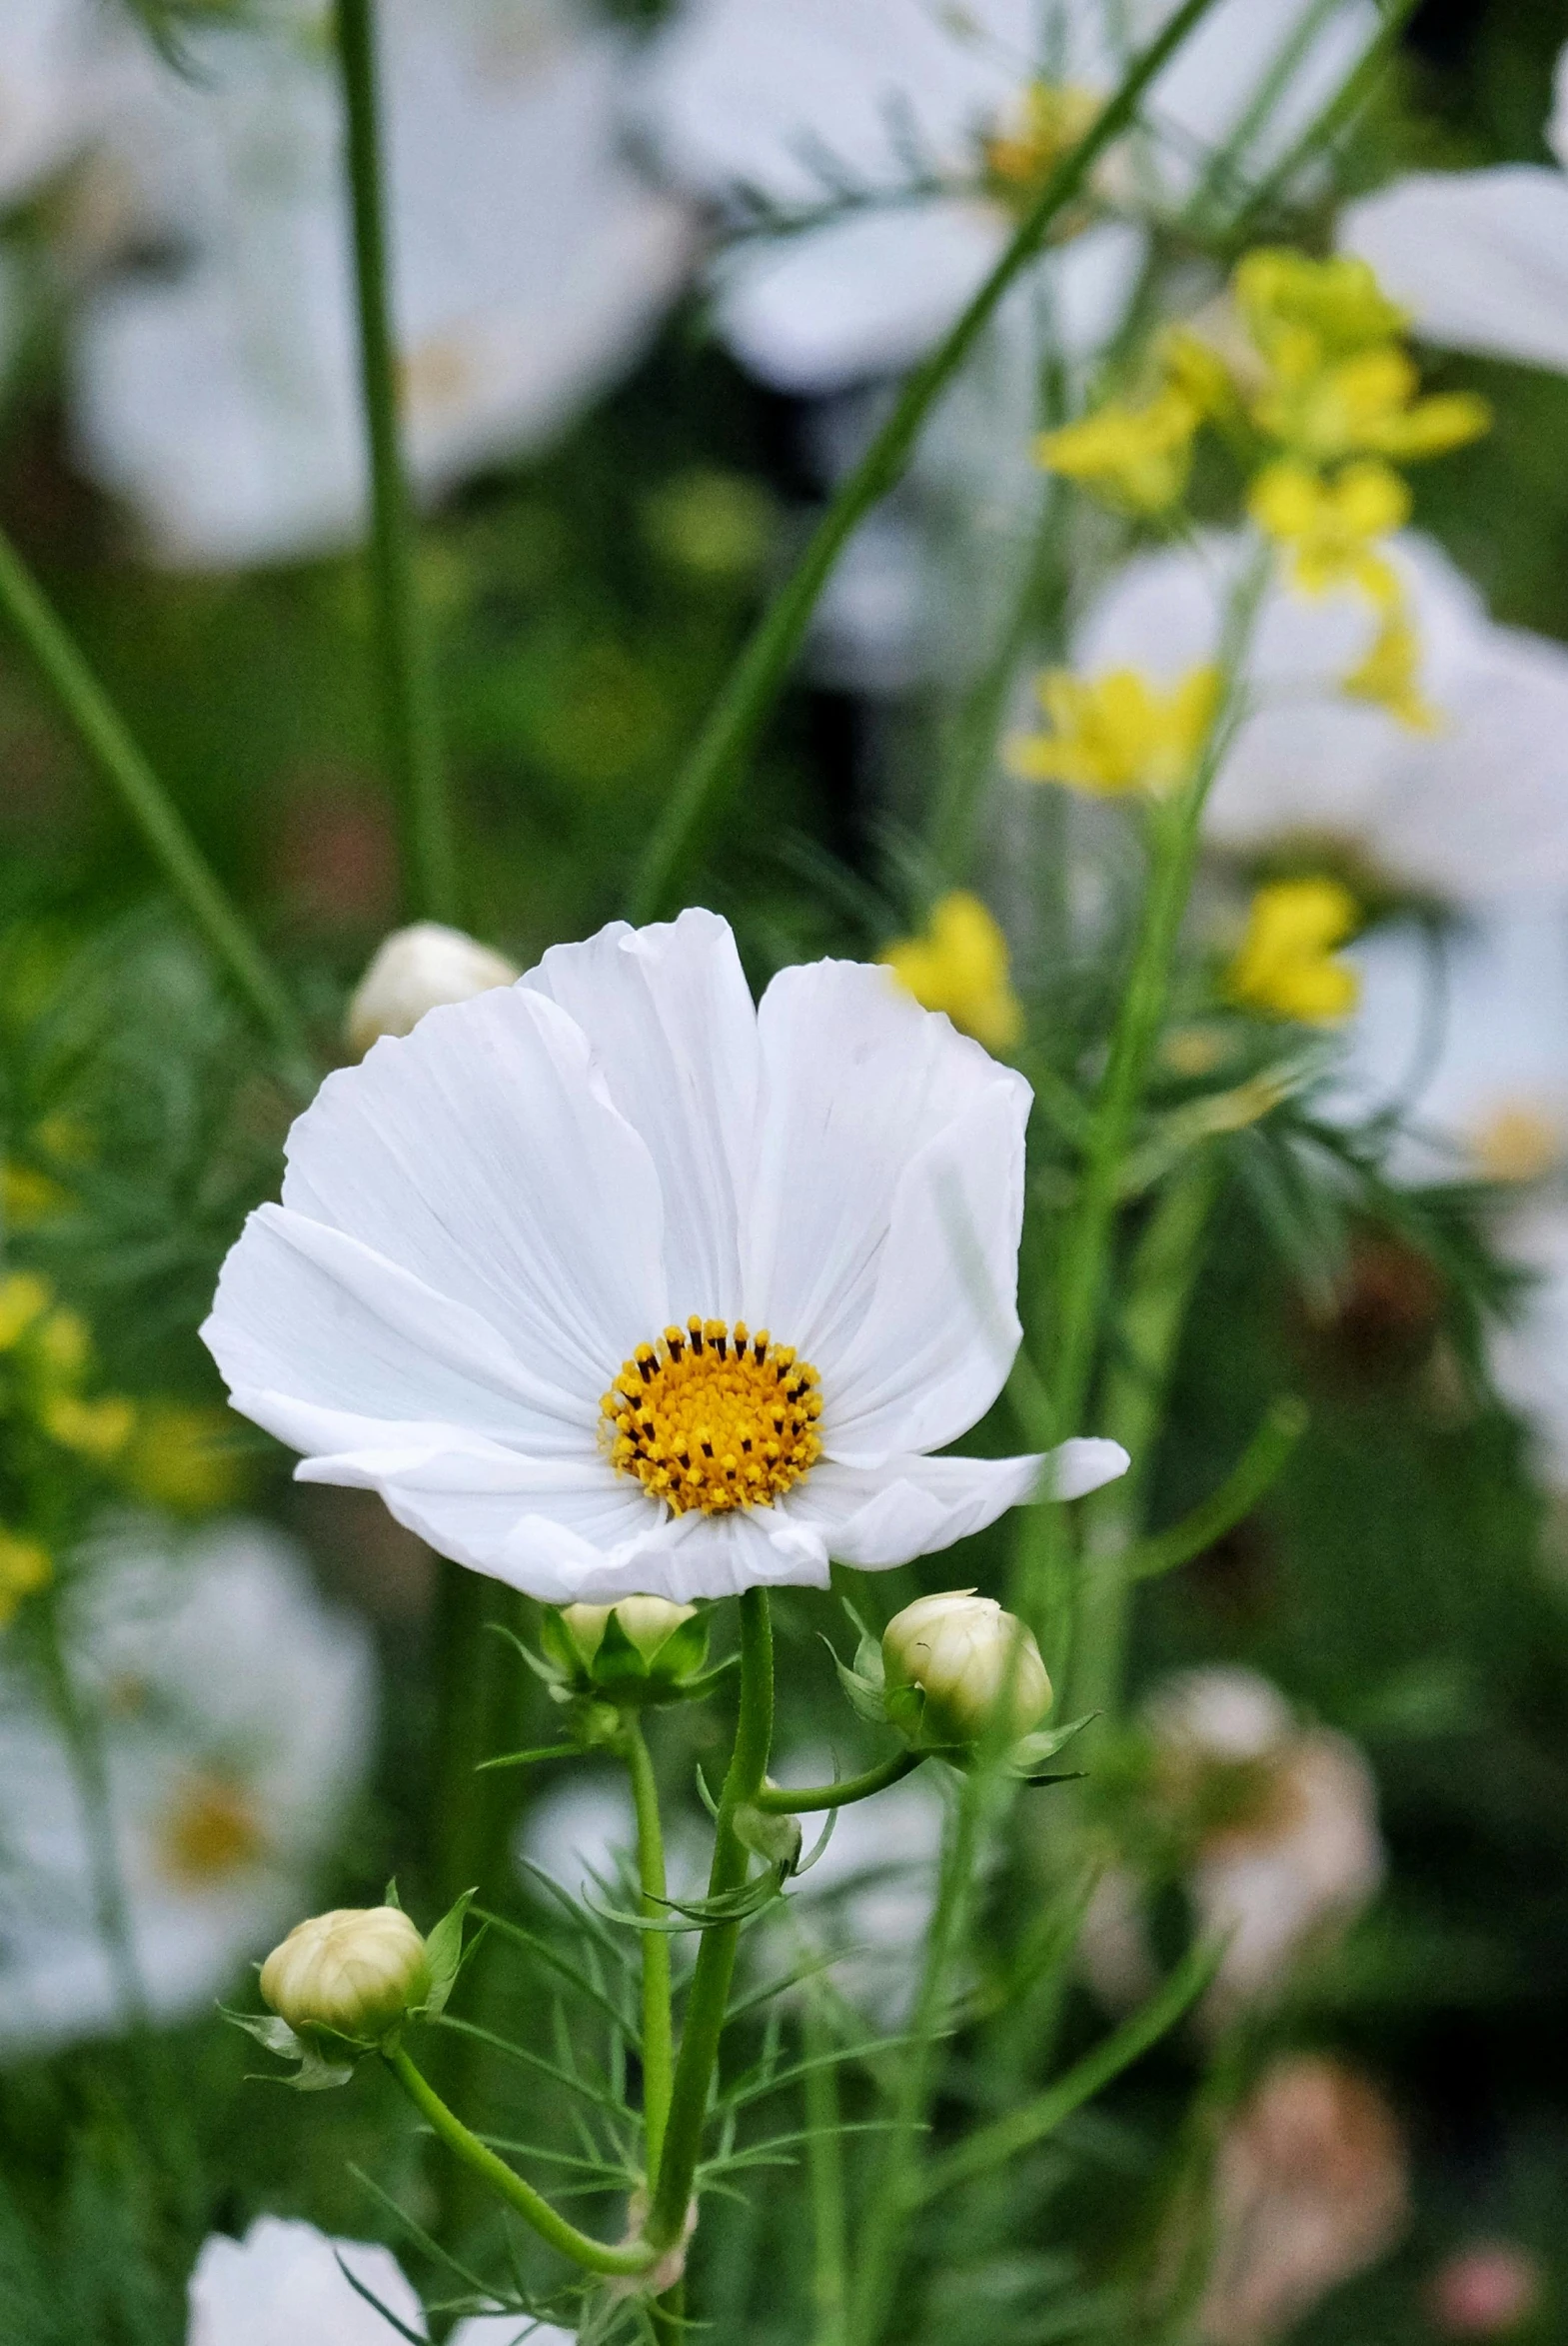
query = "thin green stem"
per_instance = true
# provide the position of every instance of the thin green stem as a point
(81, 1734)
(658, 2024)
(706, 2006)
(102, 731)
(1132, 1405)
(404, 664)
(714, 765)
(785, 1800)
(593, 2256)
(825, 2157)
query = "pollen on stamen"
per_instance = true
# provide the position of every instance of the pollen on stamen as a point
(713, 1417)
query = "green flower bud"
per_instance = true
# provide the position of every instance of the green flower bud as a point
(355, 1972)
(640, 1649)
(950, 1660)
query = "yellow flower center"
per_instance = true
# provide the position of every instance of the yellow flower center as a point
(714, 1417)
(210, 1831)
(1517, 1143)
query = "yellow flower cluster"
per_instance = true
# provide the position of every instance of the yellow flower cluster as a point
(52, 1352)
(959, 964)
(1312, 386)
(1286, 967)
(1118, 734)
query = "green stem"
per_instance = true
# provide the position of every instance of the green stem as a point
(785, 1800)
(658, 2029)
(1174, 847)
(103, 734)
(895, 2190)
(83, 1739)
(407, 682)
(591, 2255)
(704, 2014)
(1159, 1288)
(825, 2155)
(713, 767)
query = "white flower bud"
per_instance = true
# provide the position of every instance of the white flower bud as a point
(411, 971)
(647, 1622)
(965, 1653)
(355, 1972)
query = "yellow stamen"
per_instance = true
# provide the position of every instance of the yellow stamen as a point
(208, 1831)
(713, 1418)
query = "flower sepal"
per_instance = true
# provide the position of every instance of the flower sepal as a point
(609, 1658)
(316, 2068)
(1029, 1758)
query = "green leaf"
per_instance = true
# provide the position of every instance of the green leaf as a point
(444, 1953)
(1031, 1751)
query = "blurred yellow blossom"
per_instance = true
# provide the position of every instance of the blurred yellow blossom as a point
(1331, 527)
(1117, 731)
(28, 1197)
(1137, 458)
(98, 1431)
(62, 1344)
(1365, 404)
(183, 1458)
(1389, 675)
(24, 1565)
(1286, 966)
(209, 1830)
(24, 1297)
(1048, 123)
(1285, 297)
(959, 964)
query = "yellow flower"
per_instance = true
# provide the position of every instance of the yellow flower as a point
(25, 1564)
(1286, 966)
(1390, 676)
(28, 1197)
(24, 1297)
(1051, 119)
(1365, 404)
(1117, 731)
(94, 1429)
(1135, 457)
(63, 1345)
(183, 1458)
(1284, 296)
(960, 966)
(1330, 526)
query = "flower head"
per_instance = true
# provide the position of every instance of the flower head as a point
(1286, 966)
(965, 1659)
(959, 964)
(1118, 732)
(355, 1971)
(610, 1284)
(1330, 527)
(414, 970)
(1135, 457)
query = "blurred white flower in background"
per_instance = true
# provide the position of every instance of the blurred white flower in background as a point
(930, 121)
(1471, 808)
(1275, 1823)
(866, 1900)
(284, 2285)
(614, 1282)
(410, 971)
(219, 394)
(238, 1716)
(62, 65)
(1480, 258)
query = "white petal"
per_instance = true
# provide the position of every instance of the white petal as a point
(856, 1079)
(941, 1329)
(1479, 257)
(284, 2281)
(876, 1518)
(1085, 1464)
(865, 295)
(483, 1154)
(668, 1017)
(1209, 87)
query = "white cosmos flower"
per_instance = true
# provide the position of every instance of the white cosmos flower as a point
(1474, 812)
(239, 1715)
(1480, 258)
(284, 2285)
(61, 67)
(487, 1227)
(1297, 1857)
(798, 104)
(529, 266)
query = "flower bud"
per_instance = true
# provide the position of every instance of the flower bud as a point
(411, 971)
(355, 1972)
(965, 1655)
(653, 1646)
